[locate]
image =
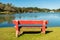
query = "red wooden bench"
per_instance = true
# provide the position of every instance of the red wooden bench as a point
(28, 24)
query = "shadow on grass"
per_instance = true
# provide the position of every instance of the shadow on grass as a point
(48, 32)
(30, 32)
(34, 32)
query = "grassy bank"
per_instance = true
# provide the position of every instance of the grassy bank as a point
(53, 33)
(7, 12)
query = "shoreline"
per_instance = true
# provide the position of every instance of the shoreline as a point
(47, 27)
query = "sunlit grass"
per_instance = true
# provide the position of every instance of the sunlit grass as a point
(9, 34)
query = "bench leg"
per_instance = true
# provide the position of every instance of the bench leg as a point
(43, 30)
(16, 33)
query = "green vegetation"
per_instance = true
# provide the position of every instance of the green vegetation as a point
(6, 8)
(9, 9)
(9, 34)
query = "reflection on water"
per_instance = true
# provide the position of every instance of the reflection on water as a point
(53, 18)
(6, 18)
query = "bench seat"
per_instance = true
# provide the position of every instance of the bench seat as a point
(29, 25)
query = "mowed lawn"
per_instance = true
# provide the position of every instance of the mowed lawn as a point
(53, 33)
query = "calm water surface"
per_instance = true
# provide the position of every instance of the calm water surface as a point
(53, 18)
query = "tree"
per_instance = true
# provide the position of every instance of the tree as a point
(1, 7)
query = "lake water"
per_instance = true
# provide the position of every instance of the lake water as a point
(53, 18)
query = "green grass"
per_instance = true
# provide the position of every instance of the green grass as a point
(9, 34)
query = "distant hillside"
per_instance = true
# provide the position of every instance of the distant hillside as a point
(9, 8)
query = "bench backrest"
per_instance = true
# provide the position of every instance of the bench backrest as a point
(31, 21)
